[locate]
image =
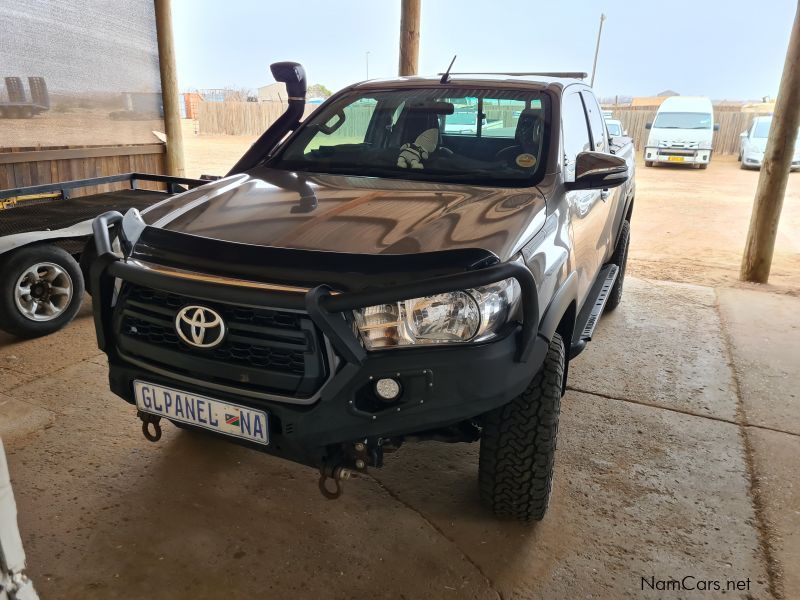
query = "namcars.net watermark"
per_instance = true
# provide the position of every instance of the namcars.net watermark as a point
(690, 583)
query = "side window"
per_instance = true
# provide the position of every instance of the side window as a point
(498, 116)
(575, 132)
(348, 127)
(596, 122)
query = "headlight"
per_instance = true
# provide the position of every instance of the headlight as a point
(453, 317)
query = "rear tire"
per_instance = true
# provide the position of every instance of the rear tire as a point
(703, 166)
(619, 258)
(648, 163)
(518, 444)
(55, 286)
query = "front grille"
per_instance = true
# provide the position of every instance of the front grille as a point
(267, 350)
(676, 144)
(676, 152)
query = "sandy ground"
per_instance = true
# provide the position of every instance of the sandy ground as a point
(664, 470)
(689, 225)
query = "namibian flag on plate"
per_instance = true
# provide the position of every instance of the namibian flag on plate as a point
(216, 415)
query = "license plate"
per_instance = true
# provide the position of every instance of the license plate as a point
(675, 159)
(216, 415)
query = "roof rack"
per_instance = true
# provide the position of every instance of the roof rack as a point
(569, 74)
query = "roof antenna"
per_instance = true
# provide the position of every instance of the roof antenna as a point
(446, 75)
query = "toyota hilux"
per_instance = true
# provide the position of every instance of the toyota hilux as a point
(371, 276)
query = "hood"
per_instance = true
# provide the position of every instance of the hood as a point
(366, 215)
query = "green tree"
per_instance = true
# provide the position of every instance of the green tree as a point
(318, 91)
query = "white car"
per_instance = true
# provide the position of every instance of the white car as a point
(753, 142)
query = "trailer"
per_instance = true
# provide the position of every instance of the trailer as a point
(43, 232)
(18, 106)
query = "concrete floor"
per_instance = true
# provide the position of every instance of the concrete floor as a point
(677, 457)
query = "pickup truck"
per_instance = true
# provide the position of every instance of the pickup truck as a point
(364, 279)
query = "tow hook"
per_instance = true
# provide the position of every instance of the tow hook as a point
(335, 474)
(150, 422)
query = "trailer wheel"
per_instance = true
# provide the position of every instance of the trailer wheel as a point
(41, 290)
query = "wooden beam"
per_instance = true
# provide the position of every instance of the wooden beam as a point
(169, 88)
(10, 158)
(768, 202)
(409, 37)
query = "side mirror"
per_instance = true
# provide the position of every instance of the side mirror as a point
(716, 126)
(743, 135)
(598, 170)
(625, 132)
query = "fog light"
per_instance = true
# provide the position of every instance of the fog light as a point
(387, 389)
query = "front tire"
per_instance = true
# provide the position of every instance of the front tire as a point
(41, 290)
(518, 444)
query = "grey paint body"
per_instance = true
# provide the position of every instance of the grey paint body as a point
(558, 233)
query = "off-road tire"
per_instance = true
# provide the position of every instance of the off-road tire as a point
(518, 444)
(703, 166)
(648, 163)
(619, 258)
(12, 266)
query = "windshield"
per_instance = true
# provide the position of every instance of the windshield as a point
(490, 137)
(613, 128)
(683, 120)
(762, 129)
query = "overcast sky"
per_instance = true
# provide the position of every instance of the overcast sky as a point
(725, 49)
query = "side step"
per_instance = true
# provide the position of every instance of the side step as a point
(591, 311)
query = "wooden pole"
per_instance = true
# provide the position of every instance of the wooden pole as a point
(597, 47)
(768, 202)
(409, 37)
(169, 88)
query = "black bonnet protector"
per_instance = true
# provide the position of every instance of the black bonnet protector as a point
(307, 268)
(336, 282)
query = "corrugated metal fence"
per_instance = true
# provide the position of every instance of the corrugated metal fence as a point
(726, 140)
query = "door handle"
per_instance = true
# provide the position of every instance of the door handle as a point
(604, 194)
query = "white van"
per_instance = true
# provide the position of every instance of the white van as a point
(682, 132)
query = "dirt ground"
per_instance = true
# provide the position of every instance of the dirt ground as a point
(690, 225)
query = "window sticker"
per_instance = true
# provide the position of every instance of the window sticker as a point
(526, 161)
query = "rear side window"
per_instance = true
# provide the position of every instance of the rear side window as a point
(486, 117)
(575, 130)
(596, 122)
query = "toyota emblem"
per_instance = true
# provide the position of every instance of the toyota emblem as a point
(199, 326)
